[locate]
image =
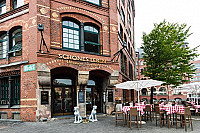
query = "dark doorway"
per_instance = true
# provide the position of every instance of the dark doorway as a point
(93, 96)
(64, 81)
(94, 90)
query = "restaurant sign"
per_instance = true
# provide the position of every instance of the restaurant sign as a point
(78, 58)
(28, 68)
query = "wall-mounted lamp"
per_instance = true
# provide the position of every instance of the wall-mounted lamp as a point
(119, 51)
(41, 29)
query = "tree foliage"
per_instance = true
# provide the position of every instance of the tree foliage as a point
(166, 56)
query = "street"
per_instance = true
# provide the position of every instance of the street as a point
(105, 124)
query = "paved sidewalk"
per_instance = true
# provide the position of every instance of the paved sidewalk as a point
(105, 124)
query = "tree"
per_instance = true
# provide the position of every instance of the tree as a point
(166, 55)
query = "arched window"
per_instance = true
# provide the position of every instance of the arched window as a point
(154, 91)
(144, 91)
(3, 46)
(96, 2)
(17, 3)
(91, 39)
(2, 6)
(16, 42)
(162, 90)
(91, 83)
(70, 35)
(163, 99)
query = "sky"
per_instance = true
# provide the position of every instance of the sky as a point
(148, 12)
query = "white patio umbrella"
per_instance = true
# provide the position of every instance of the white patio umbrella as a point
(138, 85)
(195, 87)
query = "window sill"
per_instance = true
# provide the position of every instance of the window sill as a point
(3, 106)
(13, 11)
(84, 52)
(6, 107)
(15, 107)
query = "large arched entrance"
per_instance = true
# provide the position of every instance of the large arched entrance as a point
(95, 90)
(64, 82)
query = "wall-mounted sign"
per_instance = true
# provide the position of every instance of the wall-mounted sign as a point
(78, 58)
(81, 97)
(44, 97)
(110, 96)
(28, 68)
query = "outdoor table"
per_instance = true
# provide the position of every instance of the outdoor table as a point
(172, 109)
(140, 108)
(197, 107)
(169, 109)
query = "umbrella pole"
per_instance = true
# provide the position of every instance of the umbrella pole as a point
(197, 96)
(138, 97)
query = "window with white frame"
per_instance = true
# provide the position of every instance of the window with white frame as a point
(2, 6)
(91, 39)
(71, 35)
(16, 42)
(3, 46)
(96, 2)
(17, 3)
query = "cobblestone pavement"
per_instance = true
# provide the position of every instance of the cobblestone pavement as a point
(105, 124)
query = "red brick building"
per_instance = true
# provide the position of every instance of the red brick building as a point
(196, 77)
(160, 92)
(75, 69)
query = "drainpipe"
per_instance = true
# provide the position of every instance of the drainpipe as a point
(82, 36)
(10, 81)
(7, 38)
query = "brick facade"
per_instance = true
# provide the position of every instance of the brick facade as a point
(50, 13)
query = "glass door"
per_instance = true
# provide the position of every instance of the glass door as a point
(93, 97)
(88, 99)
(68, 100)
(63, 103)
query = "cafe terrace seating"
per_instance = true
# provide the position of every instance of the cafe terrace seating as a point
(163, 113)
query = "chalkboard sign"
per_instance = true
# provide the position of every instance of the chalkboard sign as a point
(44, 97)
(81, 97)
(110, 96)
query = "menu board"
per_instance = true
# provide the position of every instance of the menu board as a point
(81, 96)
(110, 96)
(44, 97)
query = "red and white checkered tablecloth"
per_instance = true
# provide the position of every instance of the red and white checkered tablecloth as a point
(125, 109)
(172, 109)
(197, 107)
(139, 108)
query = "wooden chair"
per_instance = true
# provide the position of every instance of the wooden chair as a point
(153, 112)
(185, 118)
(133, 112)
(147, 112)
(160, 114)
(118, 112)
